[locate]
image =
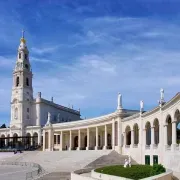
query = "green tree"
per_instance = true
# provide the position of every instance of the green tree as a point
(3, 126)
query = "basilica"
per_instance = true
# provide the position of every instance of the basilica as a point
(148, 136)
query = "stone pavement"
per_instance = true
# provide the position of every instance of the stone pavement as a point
(59, 164)
(11, 172)
(57, 176)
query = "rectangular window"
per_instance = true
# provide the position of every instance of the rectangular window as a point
(19, 55)
(27, 109)
(147, 159)
(58, 139)
(155, 159)
(54, 139)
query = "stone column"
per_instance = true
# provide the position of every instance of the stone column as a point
(105, 137)
(50, 140)
(70, 140)
(79, 140)
(113, 135)
(44, 140)
(61, 141)
(39, 137)
(174, 135)
(165, 135)
(96, 147)
(124, 139)
(38, 120)
(132, 138)
(144, 138)
(119, 134)
(31, 139)
(87, 147)
(152, 137)
(6, 140)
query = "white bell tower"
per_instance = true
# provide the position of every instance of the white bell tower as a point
(22, 91)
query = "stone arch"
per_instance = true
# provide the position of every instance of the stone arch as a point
(156, 131)
(2, 140)
(169, 129)
(35, 139)
(177, 121)
(148, 133)
(15, 140)
(128, 135)
(28, 139)
(8, 140)
(136, 133)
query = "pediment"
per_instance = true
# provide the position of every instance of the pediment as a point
(14, 127)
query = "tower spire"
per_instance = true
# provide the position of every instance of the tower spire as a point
(23, 33)
(22, 38)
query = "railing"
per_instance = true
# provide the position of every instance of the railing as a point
(168, 147)
(147, 146)
(127, 146)
(155, 146)
(29, 175)
(177, 147)
(135, 145)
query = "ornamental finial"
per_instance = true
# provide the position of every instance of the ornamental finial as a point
(22, 38)
(23, 33)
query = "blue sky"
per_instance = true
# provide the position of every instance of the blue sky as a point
(84, 52)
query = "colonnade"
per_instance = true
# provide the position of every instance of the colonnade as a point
(152, 133)
(87, 138)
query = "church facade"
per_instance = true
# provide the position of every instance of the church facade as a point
(149, 137)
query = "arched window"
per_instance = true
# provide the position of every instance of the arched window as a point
(128, 135)
(169, 130)
(148, 133)
(16, 113)
(25, 56)
(17, 81)
(27, 82)
(156, 131)
(19, 55)
(136, 134)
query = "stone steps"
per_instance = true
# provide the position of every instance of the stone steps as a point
(112, 158)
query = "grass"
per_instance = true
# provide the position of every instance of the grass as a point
(135, 172)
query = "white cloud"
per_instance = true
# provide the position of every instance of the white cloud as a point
(117, 54)
(39, 50)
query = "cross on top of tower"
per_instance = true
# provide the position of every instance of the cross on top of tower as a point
(22, 38)
(23, 33)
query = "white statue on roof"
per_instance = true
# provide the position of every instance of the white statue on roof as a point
(48, 123)
(162, 94)
(141, 106)
(119, 106)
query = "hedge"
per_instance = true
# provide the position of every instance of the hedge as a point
(134, 172)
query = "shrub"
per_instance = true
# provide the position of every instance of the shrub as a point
(157, 169)
(135, 172)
